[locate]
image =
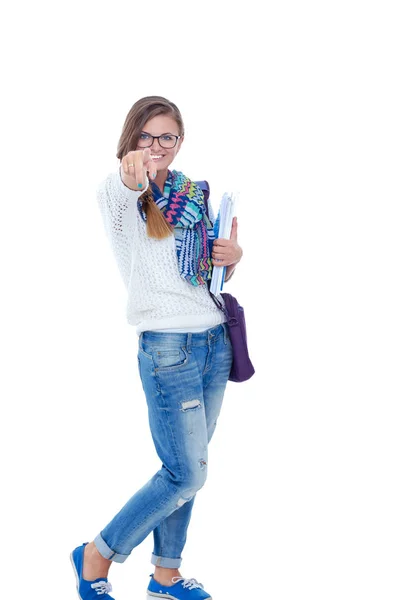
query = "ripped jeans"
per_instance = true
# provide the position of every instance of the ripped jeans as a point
(184, 376)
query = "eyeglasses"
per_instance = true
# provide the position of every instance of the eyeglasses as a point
(167, 140)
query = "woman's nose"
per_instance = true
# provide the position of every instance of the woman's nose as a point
(156, 146)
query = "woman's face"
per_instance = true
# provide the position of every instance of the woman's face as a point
(160, 125)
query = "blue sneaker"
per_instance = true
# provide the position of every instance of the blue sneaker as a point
(183, 589)
(88, 590)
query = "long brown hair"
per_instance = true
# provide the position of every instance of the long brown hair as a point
(142, 111)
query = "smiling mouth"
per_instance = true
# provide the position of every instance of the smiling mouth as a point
(156, 156)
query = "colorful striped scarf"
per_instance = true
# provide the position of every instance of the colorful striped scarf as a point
(183, 207)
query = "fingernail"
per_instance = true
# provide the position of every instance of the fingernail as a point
(154, 175)
(139, 185)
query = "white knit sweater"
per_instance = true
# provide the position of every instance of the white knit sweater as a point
(158, 297)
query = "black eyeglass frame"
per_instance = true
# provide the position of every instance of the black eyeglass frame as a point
(157, 137)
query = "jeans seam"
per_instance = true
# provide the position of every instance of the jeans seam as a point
(174, 448)
(214, 375)
(161, 538)
(208, 360)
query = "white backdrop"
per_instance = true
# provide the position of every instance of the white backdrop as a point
(295, 106)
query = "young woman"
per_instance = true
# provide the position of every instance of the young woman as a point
(164, 245)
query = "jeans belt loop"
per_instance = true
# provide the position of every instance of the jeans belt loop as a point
(189, 343)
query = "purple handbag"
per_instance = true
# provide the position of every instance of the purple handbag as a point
(242, 367)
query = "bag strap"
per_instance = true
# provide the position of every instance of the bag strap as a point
(206, 191)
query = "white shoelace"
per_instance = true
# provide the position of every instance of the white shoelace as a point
(190, 584)
(102, 587)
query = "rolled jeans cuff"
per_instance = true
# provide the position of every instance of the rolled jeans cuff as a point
(107, 552)
(168, 563)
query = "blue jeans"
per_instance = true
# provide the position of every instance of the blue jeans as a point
(184, 376)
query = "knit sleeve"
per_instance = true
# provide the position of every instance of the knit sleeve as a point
(118, 206)
(117, 203)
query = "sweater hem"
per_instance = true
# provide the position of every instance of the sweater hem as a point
(181, 322)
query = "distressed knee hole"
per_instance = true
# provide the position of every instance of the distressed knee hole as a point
(183, 500)
(190, 404)
(202, 463)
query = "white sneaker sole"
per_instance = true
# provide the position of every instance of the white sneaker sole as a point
(76, 575)
(151, 595)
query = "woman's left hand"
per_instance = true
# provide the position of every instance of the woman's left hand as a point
(227, 252)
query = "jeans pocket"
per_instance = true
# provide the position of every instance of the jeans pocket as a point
(167, 359)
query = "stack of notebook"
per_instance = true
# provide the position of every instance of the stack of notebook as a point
(222, 229)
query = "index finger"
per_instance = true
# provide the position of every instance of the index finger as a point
(139, 168)
(146, 155)
(148, 164)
